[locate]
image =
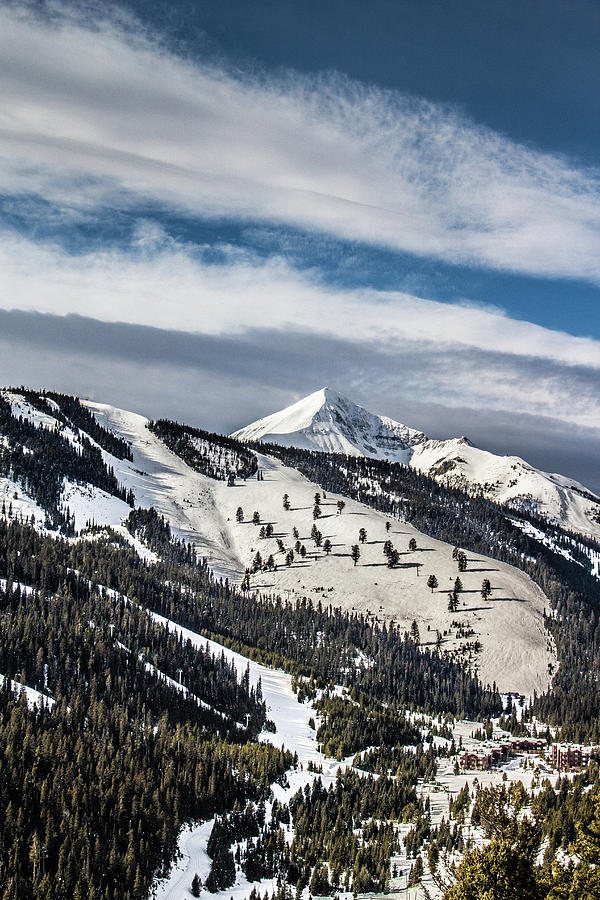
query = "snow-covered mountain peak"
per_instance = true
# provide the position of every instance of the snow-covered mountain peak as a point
(326, 420)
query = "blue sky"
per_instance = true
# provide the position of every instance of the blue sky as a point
(402, 197)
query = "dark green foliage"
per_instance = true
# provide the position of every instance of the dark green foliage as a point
(79, 417)
(72, 413)
(504, 869)
(351, 725)
(94, 790)
(567, 817)
(155, 533)
(349, 827)
(396, 760)
(211, 454)
(304, 638)
(325, 823)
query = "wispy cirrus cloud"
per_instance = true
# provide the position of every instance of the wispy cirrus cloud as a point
(95, 115)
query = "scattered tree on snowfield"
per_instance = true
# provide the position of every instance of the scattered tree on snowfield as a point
(432, 583)
(393, 558)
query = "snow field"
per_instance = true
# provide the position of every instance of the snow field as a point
(516, 652)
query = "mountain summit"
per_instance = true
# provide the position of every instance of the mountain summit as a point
(329, 422)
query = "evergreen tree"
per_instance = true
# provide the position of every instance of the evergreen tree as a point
(432, 583)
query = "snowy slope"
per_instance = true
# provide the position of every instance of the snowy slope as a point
(329, 422)
(515, 651)
(510, 628)
(202, 511)
(511, 481)
(33, 697)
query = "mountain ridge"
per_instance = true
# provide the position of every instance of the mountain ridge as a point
(329, 422)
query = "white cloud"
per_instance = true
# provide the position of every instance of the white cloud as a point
(470, 354)
(94, 115)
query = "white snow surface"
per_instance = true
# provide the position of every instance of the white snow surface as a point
(23, 506)
(88, 503)
(515, 648)
(290, 717)
(511, 481)
(34, 698)
(328, 421)
(161, 479)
